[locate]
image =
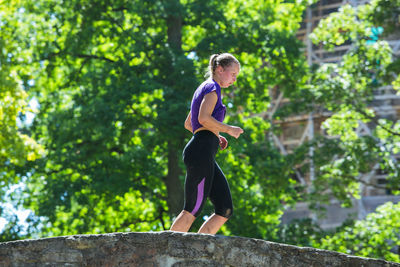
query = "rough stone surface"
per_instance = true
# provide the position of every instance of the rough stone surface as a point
(169, 249)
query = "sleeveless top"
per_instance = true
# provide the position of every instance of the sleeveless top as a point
(219, 111)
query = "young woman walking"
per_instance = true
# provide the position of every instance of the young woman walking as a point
(204, 178)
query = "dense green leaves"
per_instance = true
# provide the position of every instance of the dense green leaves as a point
(16, 145)
(114, 80)
(347, 90)
(375, 236)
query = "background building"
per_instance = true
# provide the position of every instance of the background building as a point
(302, 127)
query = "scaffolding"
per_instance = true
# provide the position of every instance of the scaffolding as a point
(301, 128)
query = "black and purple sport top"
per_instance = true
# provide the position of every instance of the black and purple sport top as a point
(218, 113)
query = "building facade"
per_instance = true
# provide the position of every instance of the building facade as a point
(303, 127)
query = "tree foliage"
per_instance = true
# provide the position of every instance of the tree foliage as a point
(376, 236)
(347, 90)
(114, 80)
(16, 145)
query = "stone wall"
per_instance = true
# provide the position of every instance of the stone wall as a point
(169, 249)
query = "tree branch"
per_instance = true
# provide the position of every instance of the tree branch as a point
(375, 120)
(370, 184)
(160, 217)
(122, 8)
(95, 57)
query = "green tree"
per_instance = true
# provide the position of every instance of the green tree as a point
(347, 90)
(17, 147)
(376, 236)
(114, 81)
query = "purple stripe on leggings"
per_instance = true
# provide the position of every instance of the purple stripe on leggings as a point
(200, 195)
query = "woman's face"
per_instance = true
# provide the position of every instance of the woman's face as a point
(228, 75)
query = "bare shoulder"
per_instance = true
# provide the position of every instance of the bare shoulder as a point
(212, 96)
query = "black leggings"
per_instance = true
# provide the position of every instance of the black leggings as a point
(204, 178)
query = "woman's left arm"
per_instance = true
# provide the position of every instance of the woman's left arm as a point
(188, 123)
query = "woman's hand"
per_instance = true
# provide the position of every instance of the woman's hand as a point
(223, 143)
(208, 121)
(235, 131)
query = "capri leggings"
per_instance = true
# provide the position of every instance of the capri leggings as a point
(204, 178)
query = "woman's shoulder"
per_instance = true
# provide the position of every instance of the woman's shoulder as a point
(211, 82)
(209, 85)
(206, 87)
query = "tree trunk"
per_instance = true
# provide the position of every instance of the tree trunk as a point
(174, 24)
(174, 185)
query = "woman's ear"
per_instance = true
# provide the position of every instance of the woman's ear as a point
(219, 69)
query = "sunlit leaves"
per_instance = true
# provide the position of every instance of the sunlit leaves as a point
(129, 212)
(114, 92)
(17, 147)
(344, 124)
(347, 89)
(375, 236)
(396, 83)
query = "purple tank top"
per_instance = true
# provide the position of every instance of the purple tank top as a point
(218, 113)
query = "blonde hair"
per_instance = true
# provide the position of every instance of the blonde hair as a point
(224, 60)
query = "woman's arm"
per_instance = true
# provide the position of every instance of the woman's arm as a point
(188, 123)
(205, 118)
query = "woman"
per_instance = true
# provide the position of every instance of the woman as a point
(204, 178)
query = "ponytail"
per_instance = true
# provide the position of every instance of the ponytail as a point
(212, 65)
